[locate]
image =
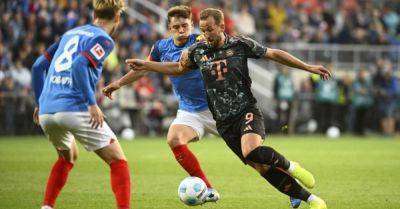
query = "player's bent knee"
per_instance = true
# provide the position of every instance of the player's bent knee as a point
(68, 156)
(185, 138)
(179, 139)
(173, 141)
(69, 159)
(114, 157)
(111, 153)
(74, 158)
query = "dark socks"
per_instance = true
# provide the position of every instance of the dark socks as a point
(267, 155)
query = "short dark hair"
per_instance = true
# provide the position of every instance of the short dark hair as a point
(217, 14)
(179, 11)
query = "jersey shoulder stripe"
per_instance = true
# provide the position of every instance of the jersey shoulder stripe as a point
(155, 52)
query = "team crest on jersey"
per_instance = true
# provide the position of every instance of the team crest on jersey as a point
(229, 53)
(98, 51)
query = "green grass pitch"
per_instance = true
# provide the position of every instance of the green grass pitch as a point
(351, 173)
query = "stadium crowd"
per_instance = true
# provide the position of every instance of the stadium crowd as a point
(28, 27)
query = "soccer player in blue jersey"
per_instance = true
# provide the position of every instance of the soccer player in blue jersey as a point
(64, 81)
(193, 119)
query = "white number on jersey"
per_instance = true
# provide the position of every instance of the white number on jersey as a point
(64, 61)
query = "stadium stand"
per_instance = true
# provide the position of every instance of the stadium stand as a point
(315, 30)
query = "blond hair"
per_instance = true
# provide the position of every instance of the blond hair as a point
(179, 11)
(217, 14)
(108, 9)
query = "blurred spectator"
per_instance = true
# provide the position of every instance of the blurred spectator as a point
(277, 16)
(391, 19)
(244, 21)
(326, 97)
(343, 104)
(21, 75)
(5, 60)
(145, 89)
(283, 93)
(128, 102)
(155, 116)
(229, 22)
(305, 121)
(9, 94)
(361, 100)
(72, 14)
(2, 76)
(386, 89)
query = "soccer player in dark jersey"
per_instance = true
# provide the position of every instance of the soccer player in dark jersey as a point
(222, 60)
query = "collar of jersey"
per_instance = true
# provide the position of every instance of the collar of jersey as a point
(183, 46)
(100, 29)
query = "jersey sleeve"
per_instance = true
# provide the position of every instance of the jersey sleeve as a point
(49, 53)
(190, 57)
(155, 53)
(39, 71)
(255, 49)
(97, 50)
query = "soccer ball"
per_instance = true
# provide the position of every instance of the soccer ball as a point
(128, 134)
(191, 191)
(333, 132)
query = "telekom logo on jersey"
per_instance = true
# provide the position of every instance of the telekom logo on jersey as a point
(219, 69)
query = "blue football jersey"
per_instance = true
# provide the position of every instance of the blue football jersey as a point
(189, 87)
(62, 90)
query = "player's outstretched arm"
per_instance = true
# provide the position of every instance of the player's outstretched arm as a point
(169, 68)
(128, 78)
(286, 58)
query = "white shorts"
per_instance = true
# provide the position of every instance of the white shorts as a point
(201, 122)
(61, 129)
